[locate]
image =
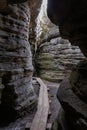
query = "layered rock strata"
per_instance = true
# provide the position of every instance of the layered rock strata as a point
(55, 56)
(16, 91)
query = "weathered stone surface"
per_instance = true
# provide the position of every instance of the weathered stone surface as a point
(60, 122)
(78, 80)
(55, 56)
(75, 109)
(72, 20)
(16, 91)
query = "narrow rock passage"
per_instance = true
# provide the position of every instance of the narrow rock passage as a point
(21, 123)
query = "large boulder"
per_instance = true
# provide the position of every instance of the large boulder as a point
(75, 109)
(72, 95)
(71, 17)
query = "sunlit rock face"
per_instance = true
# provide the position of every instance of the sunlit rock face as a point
(16, 91)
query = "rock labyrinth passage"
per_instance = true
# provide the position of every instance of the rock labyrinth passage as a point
(40, 119)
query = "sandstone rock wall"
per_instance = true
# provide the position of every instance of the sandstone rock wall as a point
(55, 56)
(16, 91)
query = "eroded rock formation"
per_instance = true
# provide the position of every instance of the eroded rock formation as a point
(55, 56)
(16, 91)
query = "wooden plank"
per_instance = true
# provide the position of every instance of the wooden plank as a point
(40, 119)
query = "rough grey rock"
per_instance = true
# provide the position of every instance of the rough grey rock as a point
(78, 80)
(60, 122)
(55, 56)
(16, 91)
(75, 109)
